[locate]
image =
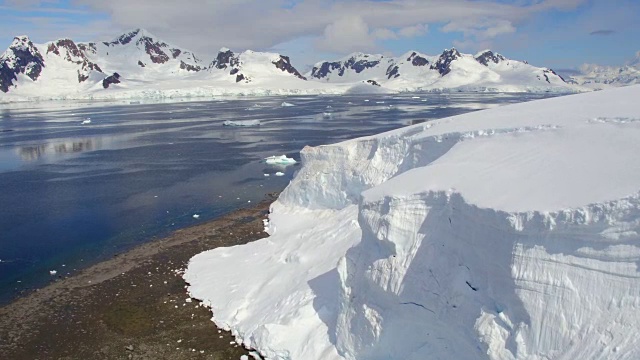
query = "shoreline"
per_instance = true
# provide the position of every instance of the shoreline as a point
(133, 305)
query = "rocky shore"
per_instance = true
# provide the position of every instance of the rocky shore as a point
(133, 306)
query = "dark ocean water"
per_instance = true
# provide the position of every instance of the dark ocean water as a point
(72, 194)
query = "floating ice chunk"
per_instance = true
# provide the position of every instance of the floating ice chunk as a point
(84, 122)
(196, 216)
(379, 102)
(286, 104)
(254, 107)
(53, 272)
(366, 100)
(241, 123)
(415, 97)
(327, 115)
(266, 175)
(279, 173)
(279, 160)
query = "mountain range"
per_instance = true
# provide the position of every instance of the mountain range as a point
(139, 64)
(599, 77)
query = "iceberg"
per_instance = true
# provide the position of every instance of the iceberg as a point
(286, 104)
(279, 160)
(507, 233)
(241, 123)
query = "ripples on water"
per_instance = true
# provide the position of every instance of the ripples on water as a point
(74, 194)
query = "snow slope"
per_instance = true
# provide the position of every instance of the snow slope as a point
(509, 233)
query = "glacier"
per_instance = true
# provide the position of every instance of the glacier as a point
(508, 233)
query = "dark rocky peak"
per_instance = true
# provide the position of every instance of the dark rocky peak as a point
(88, 47)
(154, 49)
(417, 60)
(357, 62)
(443, 64)
(157, 50)
(489, 56)
(360, 62)
(21, 57)
(325, 69)
(112, 79)
(124, 39)
(155, 53)
(73, 52)
(284, 64)
(372, 82)
(226, 58)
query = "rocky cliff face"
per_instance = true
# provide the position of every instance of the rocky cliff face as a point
(356, 62)
(443, 64)
(284, 64)
(22, 57)
(71, 52)
(489, 56)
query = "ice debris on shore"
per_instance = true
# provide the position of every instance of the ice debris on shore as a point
(52, 272)
(196, 216)
(279, 160)
(279, 173)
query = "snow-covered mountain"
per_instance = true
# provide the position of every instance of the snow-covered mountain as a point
(139, 64)
(250, 65)
(602, 77)
(450, 70)
(133, 63)
(509, 233)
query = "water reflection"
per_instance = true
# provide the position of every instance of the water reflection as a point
(32, 153)
(37, 152)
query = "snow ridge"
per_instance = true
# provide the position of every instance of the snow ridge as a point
(499, 234)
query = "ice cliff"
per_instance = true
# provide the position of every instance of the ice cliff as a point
(510, 233)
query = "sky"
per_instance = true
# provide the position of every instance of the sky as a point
(561, 34)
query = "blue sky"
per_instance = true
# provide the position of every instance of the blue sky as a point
(553, 33)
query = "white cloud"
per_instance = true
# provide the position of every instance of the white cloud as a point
(413, 31)
(206, 25)
(384, 34)
(346, 35)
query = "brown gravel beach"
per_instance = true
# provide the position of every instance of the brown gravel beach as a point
(133, 306)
